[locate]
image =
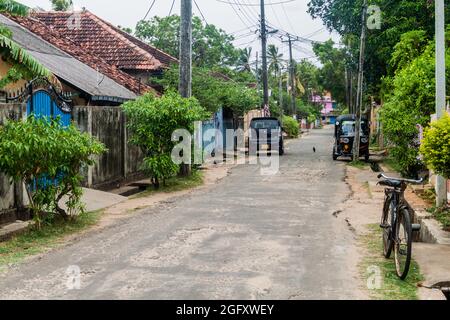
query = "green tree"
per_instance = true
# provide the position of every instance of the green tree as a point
(435, 146)
(409, 101)
(331, 75)
(61, 5)
(275, 60)
(398, 17)
(152, 122)
(243, 63)
(47, 157)
(214, 90)
(211, 46)
(23, 64)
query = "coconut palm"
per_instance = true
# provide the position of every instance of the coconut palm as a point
(244, 60)
(61, 5)
(275, 59)
(23, 62)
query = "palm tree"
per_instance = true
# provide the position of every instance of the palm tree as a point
(22, 61)
(275, 59)
(244, 60)
(61, 5)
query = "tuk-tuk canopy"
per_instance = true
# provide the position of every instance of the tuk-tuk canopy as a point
(349, 128)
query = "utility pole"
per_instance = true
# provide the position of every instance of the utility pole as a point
(359, 100)
(441, 187)
(265, 76)
(292, 75)
(185, 86)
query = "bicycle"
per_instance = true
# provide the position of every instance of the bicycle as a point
(396, 223)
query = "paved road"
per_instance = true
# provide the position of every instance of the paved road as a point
(248, 237)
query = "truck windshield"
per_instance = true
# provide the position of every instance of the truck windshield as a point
(265, 124)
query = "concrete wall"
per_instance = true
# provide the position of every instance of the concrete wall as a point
(122, 161)
(11, 195)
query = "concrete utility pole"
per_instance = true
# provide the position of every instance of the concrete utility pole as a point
(265, 75)
(359, 100)
(258, 85)
(292, 74)
(185, 86)
(441, 187)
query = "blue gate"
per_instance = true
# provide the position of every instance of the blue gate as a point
(42, 105)
(44, 101)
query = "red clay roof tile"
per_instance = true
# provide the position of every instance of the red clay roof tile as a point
(79, 52)
(107, 41)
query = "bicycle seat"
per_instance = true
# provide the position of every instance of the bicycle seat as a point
(391, 183)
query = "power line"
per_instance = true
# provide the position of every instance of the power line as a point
(148, 12)
(171, 8)
(256, 4)
(287, 17)
(239, 16)
(201, 13)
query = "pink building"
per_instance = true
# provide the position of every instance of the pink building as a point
(328, 107)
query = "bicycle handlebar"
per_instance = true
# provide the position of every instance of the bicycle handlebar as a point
(402, 180)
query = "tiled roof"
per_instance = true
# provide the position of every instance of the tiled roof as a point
(105, 40)
(67, 45)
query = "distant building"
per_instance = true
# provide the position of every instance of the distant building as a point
(329, 106)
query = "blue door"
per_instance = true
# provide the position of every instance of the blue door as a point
(43, 106)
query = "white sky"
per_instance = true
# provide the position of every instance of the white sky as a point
(291, 17)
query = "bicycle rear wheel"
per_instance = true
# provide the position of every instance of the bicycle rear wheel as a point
(403, 244)
(386, 223)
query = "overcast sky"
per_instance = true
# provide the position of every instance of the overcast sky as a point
(242, 20)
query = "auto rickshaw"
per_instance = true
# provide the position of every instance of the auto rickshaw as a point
(345, 132)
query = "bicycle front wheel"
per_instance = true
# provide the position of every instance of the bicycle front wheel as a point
(403, 244)
(386, 223)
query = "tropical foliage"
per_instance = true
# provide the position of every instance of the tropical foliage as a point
(291, 127)
(47, 157)
(435, 147)
(215, 90)
(212, 46)
(410, 98)
(61, 5)
(152, 121)
(23, 64)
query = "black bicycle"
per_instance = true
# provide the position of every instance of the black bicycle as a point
(396, 223)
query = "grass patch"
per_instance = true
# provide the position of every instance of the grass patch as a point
(36, 241)
(358, 164)
(442, 215)
(392, 288)
(176, 184)
(392, 164)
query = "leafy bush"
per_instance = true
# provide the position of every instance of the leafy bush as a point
(291, 127)
(436, 146)
(152, 121)
(410, 101)
(47, 157)
(214, 91)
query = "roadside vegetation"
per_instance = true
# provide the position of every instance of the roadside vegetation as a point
(50, 235)
(392, 288)
(47, 158)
